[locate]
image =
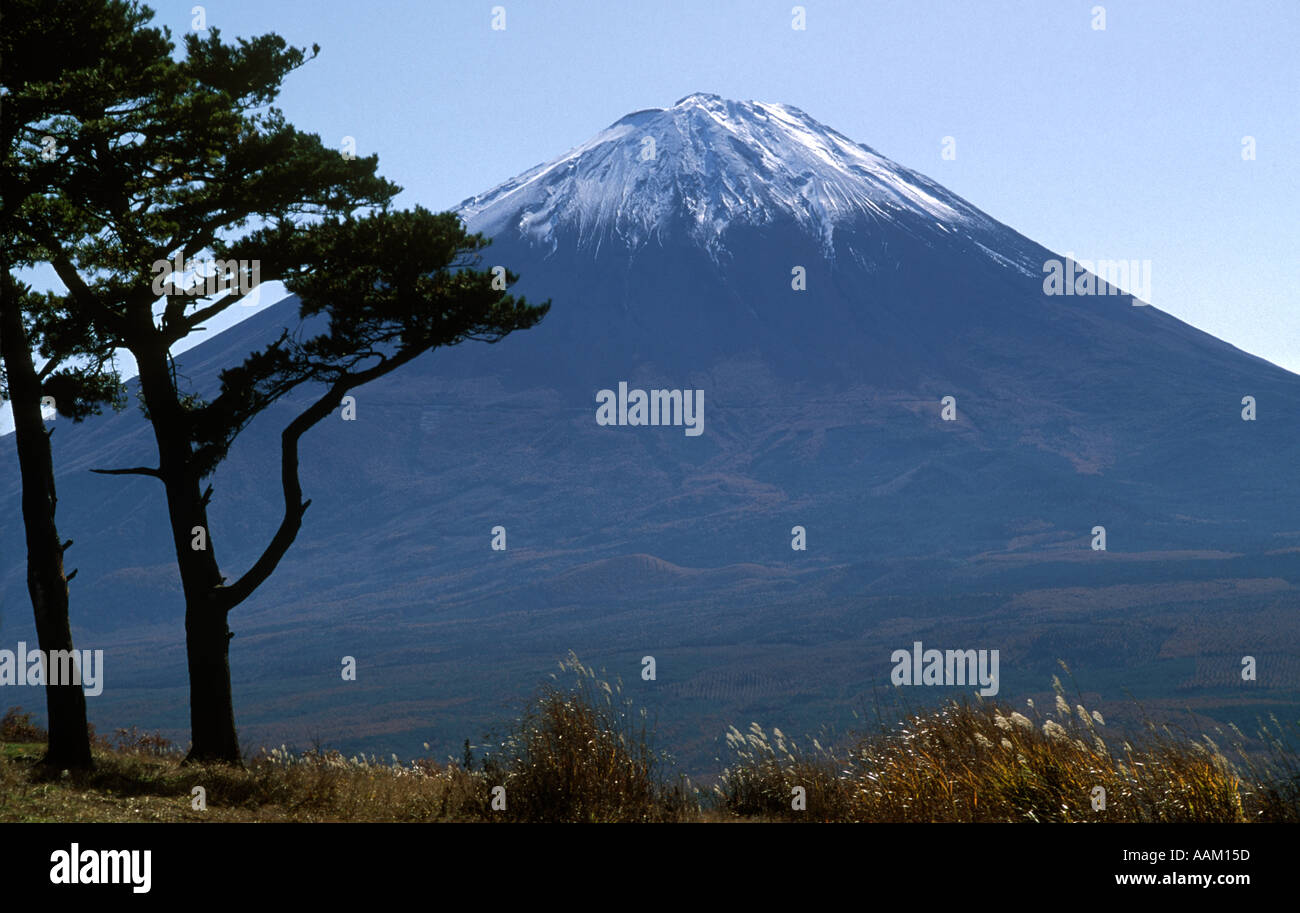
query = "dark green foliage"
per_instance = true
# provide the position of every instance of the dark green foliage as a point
(155, 159)
(78, 368)
(66, 68)
(392, 285)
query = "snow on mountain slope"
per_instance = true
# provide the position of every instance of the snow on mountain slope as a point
(721, 163)
(823, 410)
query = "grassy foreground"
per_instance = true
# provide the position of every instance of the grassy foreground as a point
(581, 752)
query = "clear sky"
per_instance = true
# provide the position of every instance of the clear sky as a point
(1122, 143)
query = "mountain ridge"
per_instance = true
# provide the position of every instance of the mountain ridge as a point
(771, 162)
(824, 410)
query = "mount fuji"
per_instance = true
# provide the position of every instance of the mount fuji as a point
(824, 303)
(706, 165)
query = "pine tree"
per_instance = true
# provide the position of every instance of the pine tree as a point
(202, 165)
(62, 65)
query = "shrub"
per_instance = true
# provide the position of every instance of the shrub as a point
(581, 753)
(17, 726)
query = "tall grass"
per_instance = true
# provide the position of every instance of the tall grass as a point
(984, 762)
(1272, 781)
(581, 752)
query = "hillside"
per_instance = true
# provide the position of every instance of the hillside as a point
(821, 409)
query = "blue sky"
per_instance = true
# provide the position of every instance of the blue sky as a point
(1122, 143)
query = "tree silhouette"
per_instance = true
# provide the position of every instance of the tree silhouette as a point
(62, 66)
(203, 164)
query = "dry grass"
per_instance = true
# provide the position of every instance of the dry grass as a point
(988, 763)
(17, 726)
(141, 777)
(581, 752)
(277, 786)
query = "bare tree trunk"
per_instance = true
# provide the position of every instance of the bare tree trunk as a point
(69, 741)
(212, 709)
(207, 634)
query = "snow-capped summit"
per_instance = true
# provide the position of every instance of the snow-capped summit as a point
(707, 164)
(946, 432)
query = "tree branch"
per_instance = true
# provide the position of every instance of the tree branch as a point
(77, 287)
(227, 597)
(133, 471)
(50, 367)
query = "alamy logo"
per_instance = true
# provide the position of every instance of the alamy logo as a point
(946, 667)
(657, 407)
(1104, 277)
(60, 667)
(241, 276)
(78, 866)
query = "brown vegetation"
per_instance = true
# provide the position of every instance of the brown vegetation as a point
(581, 752)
